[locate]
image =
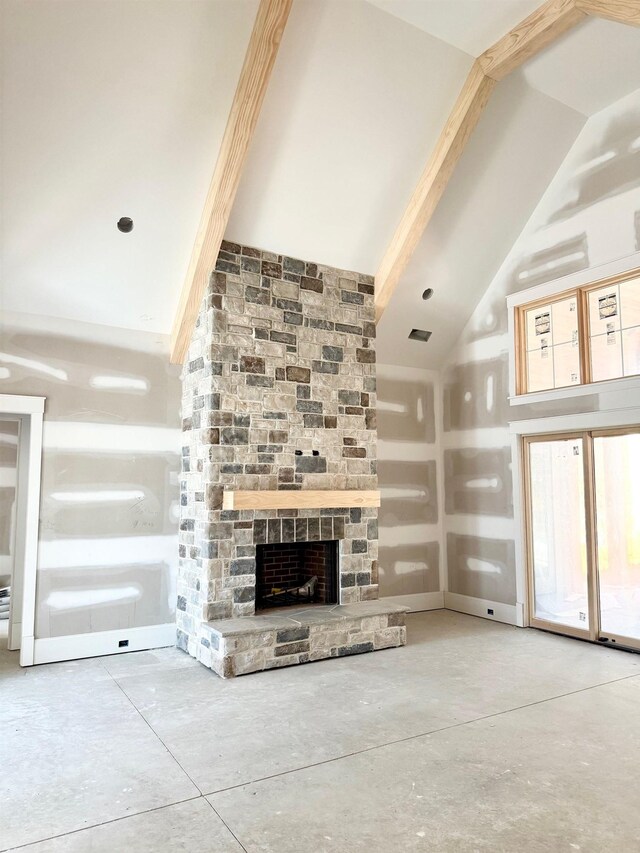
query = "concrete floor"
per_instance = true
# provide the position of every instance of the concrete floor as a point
(475, 737)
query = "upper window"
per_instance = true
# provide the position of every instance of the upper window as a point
(588, 334)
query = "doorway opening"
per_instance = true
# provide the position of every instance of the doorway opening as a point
(9, 436)
(26, 438)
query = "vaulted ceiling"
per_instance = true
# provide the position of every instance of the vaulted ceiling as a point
(116, 108)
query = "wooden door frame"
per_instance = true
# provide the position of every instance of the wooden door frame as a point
(29, 411)
(611, 638)
(533, 620)
(587, 425)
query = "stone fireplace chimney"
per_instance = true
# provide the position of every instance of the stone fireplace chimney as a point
(279, 395)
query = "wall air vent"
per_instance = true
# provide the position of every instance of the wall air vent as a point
(419, 335)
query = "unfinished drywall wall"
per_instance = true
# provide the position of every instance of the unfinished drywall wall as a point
(588, 216)
(408, 478)
(107, 551)
(8, 483)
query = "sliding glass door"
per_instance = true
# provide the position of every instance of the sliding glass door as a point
(616, 459)
(559, 579)
(583, 534)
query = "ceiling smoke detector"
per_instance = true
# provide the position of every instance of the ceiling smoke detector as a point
(125, 224)
(419, 335)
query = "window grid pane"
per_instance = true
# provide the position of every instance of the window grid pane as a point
(630, 325)
(552, 357)
(605, 339)
(551, 345)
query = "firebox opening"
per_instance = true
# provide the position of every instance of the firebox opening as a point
(296, 574)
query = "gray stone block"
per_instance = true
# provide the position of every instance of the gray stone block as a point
(233, 435)
(292, 648)
(291, 635)
(311, 464)
(355, 649)
(243, 566)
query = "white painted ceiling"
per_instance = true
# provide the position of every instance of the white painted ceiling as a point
(469, 25)
(587, 69)
(349, 117)
(116, 108)
(110, 108)
(496, 186)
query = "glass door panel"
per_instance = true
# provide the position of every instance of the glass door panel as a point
(558, 533)
(617, 501)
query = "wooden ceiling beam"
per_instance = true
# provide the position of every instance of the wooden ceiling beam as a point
(449, 147)
(531, 36)
(254, 78)
(621, 11)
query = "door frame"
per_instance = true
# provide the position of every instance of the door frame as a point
(29, 411)
(592, 632)
(612, 638)
(598, 421)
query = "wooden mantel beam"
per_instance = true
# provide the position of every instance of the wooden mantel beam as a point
(524, 41)
(247, 102)
(299, 499)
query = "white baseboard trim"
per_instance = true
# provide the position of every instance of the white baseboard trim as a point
(26, 651)
(419, 601)
(15, 636)
(74, 646)
(509, 613)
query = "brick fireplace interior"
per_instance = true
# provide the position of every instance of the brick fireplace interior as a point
(283, 569)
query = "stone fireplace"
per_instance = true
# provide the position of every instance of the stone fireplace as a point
(279, 396)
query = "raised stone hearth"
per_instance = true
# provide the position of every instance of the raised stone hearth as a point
(240, 646)
(279, 394)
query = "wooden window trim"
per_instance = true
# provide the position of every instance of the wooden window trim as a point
(581, 292)
(521, 341)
